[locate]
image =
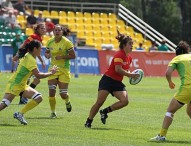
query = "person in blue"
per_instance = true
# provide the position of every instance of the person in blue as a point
(140, 47)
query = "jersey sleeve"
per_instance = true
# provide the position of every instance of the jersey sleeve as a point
(118, 59)
(173, 63)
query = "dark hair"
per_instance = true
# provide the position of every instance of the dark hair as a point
(36, 28)
(123, 39)
(182, 48)
(66, 31)
(58, 25)
(31, 45)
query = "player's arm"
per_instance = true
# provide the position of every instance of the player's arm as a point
(71, 55)
(41, 75)
(169, 77)
(121, 71)
(42, 61)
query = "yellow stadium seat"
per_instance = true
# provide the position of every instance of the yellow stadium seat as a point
(112, 22)
(87, 21)
(79, 20)
(112, 16)
(79, 27)
(104, 22)
(90, 42)
(95, 15)
(36, 12)
(79, 15)
(87, 15)
(80, 34)
(96, 27)
(54, 14)
(104, 28)
(70, 14)
(45, 39)
(103, 16)
(139, 37)
(29, 31)
(62, 14)
(88, 33)
(46, 13)
(95, 21)
(63, 21)
(71, 20)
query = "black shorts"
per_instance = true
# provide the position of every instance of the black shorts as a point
(111, 85)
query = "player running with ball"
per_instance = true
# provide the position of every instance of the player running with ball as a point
(111, 81)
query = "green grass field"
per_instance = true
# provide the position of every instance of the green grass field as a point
(133, 125)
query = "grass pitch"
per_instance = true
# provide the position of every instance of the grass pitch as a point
(133, 125)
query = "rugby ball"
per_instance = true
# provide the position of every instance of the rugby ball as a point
(134, 81)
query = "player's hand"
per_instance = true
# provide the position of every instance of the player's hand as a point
(54, 69)
(171, 85)
(134, 75)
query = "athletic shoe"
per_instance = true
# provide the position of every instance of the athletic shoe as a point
(68, 107)
(23, 100)
(103, 116)
(158, 138)
(87, 125)
(20, 117)
(53, 115)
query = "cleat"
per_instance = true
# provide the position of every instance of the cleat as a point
(20, 117)
(53, 115)
(87, 125)
(103, 116)
(158, 138)
(68, 107)
(23, 100)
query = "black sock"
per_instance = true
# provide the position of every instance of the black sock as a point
(107, 110)
(89, 120)
(32, 85)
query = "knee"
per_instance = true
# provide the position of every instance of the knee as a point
(37, 97)
(125, 102)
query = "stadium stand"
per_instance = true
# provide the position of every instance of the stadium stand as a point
(95, 26)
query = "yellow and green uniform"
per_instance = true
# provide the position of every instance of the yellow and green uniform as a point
(18, 82)
(182, 63)
(60, 48)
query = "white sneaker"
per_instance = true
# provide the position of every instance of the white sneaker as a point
(158, 138)
(53, 115)
(20, 117)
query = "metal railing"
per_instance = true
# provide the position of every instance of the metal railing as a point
(143, 27)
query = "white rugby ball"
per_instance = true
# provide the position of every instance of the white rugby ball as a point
(134, 81)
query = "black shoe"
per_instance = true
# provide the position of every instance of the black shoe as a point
(103, 116)
(68, 107)
(88, 125)
(23, 100)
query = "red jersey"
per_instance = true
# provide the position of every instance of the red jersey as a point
(119, 58)
(33, 37)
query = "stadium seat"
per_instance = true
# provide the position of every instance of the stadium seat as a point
(36, 12)
(71, 14)
(95, 15)
(87, 15)
(112, 16)
(79, 15)
(54, 14)
(45, 39)
(63, 21)
(29, 31)
(46, 13)
(103, 16)
(62, 14)
(79, 20)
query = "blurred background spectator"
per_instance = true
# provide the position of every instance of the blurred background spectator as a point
(49, 27)
(31, 20)
(7, 6)
(153, 47)
(11, 21)
(21, 7)
(140, 47)
(163, 46)
(40, 19)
